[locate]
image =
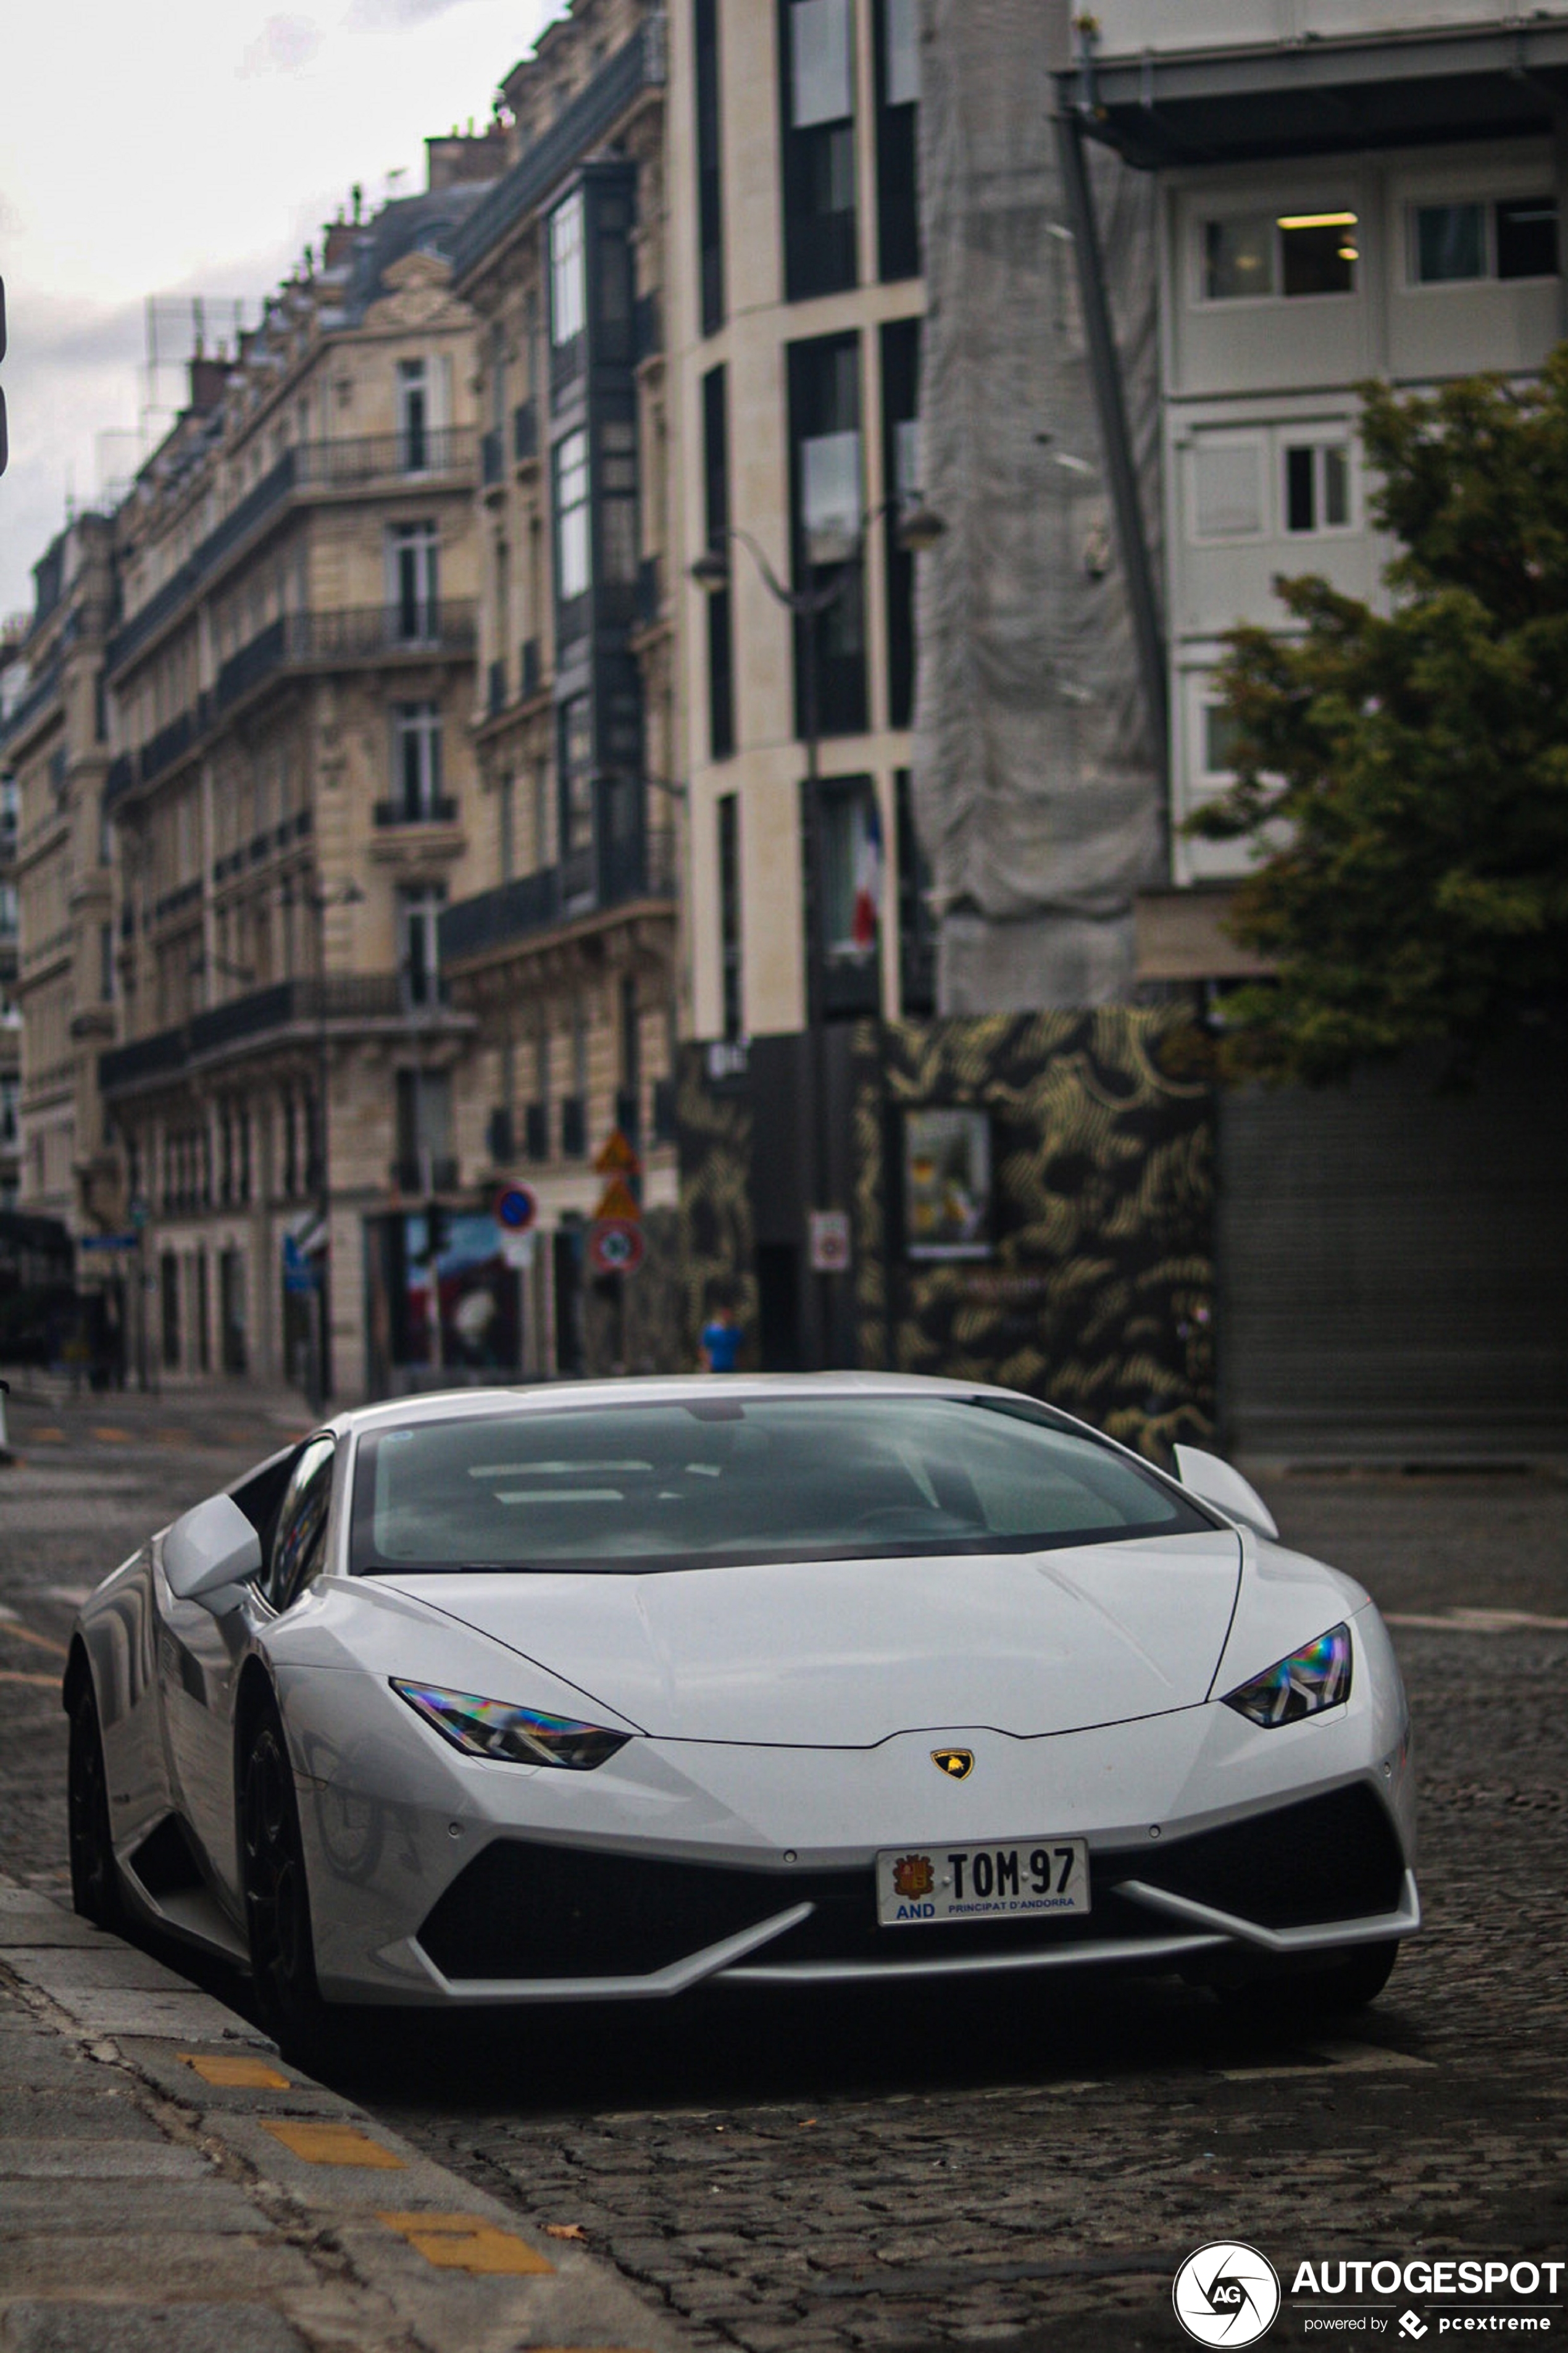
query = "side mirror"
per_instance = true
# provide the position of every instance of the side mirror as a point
(210, 1547)
(1225, 1488)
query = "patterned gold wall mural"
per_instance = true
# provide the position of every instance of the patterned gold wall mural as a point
(1098, 1291)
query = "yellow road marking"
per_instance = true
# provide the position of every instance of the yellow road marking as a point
(50, 1437)
(236, 2073)
(465, 2243)
(11, 1630)
(329, 2144)
(111, 1436)
(14, 1675)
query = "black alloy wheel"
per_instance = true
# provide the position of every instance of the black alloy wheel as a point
(95, 1876)
(277, 1898)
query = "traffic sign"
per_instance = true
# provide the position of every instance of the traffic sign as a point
(515, 1208)
(616, 1245)
(618, 1201)
(107, 1241)
(617, 1156)
(830, 1241)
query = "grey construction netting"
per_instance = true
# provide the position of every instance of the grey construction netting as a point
(1037, 797)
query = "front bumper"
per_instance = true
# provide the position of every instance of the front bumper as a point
(444, 1880)
(528, 1921)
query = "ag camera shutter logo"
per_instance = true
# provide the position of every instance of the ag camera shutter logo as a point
(1226, 2294)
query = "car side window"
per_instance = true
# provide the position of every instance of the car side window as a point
(260, 1493)
(302, 1524)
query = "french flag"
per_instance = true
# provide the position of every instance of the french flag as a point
(868, 880)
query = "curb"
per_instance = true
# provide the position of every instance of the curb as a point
(264, 2208)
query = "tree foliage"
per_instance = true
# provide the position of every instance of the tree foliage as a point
(1404, 776)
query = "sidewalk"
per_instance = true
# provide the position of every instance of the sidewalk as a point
(168, 2185)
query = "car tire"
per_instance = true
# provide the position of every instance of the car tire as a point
(95, 1891)
(1308, 1994)
(277, 1894)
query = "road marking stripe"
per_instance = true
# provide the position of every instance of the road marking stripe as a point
(14, 1675)
(466, 2243)
(110, 1437)
(14, 1630)
(329, 2143)
(237, 2074)
(1342, 2058)
(1477, 1622)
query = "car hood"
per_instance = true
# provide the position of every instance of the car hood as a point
(845, 1653)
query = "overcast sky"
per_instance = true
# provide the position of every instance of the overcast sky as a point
(194, 147)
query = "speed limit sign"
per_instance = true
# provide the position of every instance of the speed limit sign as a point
(614, 1246)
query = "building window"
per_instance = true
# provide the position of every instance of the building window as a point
(1228, 490)
(414, 561)
(898, 92)
(901, 474)
(419, 953)
(1526, 232)
(412, 416)
(1220, 731)
(844, 899)
(618, 485)
(575, 811)
(423, 1115)
(417, 762)
(9, 916)
(629, 1098)
(106, 963)
(728, 809)
(917, 940)
(720, 607)
(505, 826)
(817, 86)
(1456, 243)
(568, 288)
(574, 560)
(709, 167)
(169, 1286)
(1318, 487)
(1247, 255)
(826, 496)
(10, 1088)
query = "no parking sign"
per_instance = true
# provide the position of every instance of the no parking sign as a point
(515, 1208)
(614, 1246)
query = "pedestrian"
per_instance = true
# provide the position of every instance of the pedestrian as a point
(722, 1339)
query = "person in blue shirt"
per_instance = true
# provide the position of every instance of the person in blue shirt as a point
(722, 1340)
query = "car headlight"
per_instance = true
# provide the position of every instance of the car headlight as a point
(512, 1735)
(1315, 1677)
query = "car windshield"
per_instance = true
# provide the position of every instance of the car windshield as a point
(702, 1484)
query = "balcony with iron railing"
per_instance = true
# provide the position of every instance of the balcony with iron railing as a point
(430, 808)
(353, 635)
(587, 884)
(354, 461)
(284, 1007)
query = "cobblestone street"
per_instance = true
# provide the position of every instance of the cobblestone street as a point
(1024, 2168)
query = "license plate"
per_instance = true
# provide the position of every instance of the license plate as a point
(1011, 1879)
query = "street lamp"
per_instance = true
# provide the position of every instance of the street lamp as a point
(319, 897)
(917, 527)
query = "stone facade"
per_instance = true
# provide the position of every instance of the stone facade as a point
(568, 958)
(292, 798)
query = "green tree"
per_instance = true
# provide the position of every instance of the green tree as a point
(1405, 777)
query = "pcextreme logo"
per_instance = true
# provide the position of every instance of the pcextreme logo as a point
(1226, 2294)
